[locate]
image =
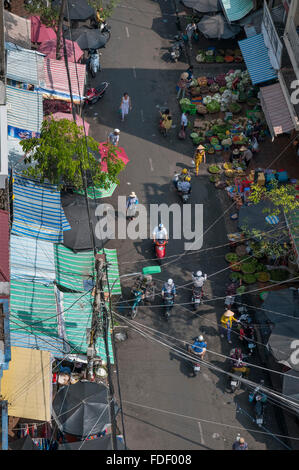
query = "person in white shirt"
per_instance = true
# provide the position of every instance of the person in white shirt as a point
(198, 279)
(184, 120)
(160, 233)
(113, 137)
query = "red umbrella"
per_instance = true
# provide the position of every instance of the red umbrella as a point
(39, 32)
(49, 49)
(121, 154)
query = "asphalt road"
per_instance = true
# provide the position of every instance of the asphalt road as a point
(153, 379)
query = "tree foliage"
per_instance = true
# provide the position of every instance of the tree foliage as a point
(282, 197)
(60, 155)
(105, 7)
(48, 13)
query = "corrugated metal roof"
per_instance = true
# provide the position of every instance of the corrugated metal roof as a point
(15, 154)
(17, 29)
(37, 210)
(236, 9)
(24, 65)
(56, 81)
(257, 60)
(4, 246)
(25, 109)
(43, 343)
(31, 260)
(277, 109)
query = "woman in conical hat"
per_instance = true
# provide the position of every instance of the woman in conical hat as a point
(227, 323)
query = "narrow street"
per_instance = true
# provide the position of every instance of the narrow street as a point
(152, 377)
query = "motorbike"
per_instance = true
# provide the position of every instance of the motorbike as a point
(196, 297)
(93, 95)
(168, 300)
(195, 365)
(234, 383)
(160, 249)
(184, 195)
(247, 334)
(93, 64)
(138, 293)
(176, 49)
(260, 400)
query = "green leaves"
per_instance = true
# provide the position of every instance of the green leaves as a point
(105, 11)
(62, 153)
(49, 15)
(282, 197)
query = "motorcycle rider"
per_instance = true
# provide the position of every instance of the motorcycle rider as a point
(169, 288)
(145, 284)
(199, 347)
(237, 358)
(160, 233)
(180, 176)
(184, 186)
(198, 279)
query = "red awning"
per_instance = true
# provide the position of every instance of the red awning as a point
(39, 32)
(57, 81)
(121, 154)
(59, 116)
(74, 53)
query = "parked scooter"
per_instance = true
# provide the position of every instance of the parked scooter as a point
(93, 64)
(168, 300)
(93, 95)
(160, 249)
(260, 400)
(176, 48)
(197, 294)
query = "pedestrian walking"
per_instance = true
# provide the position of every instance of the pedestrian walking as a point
(240, 444)
(190, 30)
(132, 202)
(125, 105)
(227, 323)
(184, 120)
(113, 137)
(182, 85)
(165, 122)
(200, 155)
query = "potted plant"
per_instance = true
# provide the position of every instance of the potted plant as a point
(235, 276)
(249, 278)
(248, 268)
(231, 257)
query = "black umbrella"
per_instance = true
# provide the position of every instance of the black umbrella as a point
(88, 38)
(82, 409)
(77, 9)
(203, 6)
(217, 27)
(25, 443)
(79, 237)
(102, 443)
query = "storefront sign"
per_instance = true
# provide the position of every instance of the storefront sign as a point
(21, 133)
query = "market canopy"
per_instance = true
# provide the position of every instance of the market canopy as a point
(24, 339)
(276, 109)
(24, 112)
(259, 70)
(82, 409)
(216, 27)
(76, 9)
(203, 6)
(24, 65)
(17, 30)
(101, 443)
(56, 80)
(73, 51)
(79, 237)
(31, 259)
(88, 38)
(234, 10)
(25, 443)
(39, 32)
(27, 384)
(37, 210)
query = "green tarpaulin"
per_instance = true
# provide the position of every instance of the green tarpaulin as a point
(74, 270)
(98, 193)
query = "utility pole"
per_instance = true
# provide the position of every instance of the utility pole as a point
(101, 327)
(59, 30)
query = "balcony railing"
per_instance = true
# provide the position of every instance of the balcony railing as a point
(293, 39)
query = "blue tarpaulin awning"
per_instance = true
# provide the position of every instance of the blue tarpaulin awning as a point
(25, 109)
(257, 59)
(234, 10)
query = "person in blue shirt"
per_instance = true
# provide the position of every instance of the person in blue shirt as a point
(199, 347)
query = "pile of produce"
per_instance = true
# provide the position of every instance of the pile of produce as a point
(202, 81)
(219, 56)
(214, 169)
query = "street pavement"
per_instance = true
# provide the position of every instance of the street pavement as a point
(164, 408)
